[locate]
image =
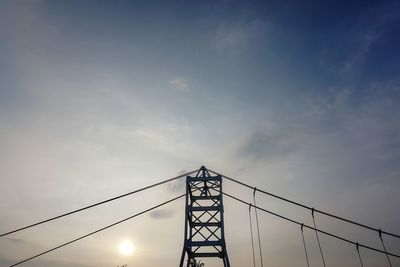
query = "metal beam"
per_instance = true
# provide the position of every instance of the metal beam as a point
(204, 220)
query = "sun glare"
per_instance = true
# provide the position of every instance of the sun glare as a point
(126, 248)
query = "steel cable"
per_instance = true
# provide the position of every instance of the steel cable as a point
(97, 204)
(304, 243)
(312, 228)
(251, 234)
(307, 207)
(384, 247)
(98, 230)
(258, 227)
(316, 234)
(359, 255)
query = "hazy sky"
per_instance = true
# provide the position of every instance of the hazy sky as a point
(98, 98)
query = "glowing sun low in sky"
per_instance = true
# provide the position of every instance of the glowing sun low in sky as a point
(126, 248)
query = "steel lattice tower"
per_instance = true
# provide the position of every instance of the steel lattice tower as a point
(204, 220)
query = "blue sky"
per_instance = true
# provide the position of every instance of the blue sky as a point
(97, 97)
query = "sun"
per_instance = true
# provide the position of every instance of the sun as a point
(126, 248)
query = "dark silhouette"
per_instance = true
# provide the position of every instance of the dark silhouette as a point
(204, 220)
(195, 263)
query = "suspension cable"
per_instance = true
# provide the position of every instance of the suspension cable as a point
(312, 228)
(251, 234)
(307, 207)
(98, 203)
(258, 227)
(384, 247)
(304, 243)
(316, 234)
(359, 255)
(98, 230)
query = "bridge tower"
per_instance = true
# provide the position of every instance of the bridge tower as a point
(204, 219)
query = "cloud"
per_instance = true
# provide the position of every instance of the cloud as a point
(162, 214)
(177, 185)
(18, 241)
(234, 38)
(265, 145)
(180, 85)
(231, 39)
(335, 127)
(324, 105)
(358, 37)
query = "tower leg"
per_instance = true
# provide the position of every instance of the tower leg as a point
(188, 262)
(182, 257)
(226, 261)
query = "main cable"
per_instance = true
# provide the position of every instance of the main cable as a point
(307, 207)
(98, 230)
(312, 228)
(98, 203)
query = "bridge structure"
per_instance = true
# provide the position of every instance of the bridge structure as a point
(204, 219)
(204, 234)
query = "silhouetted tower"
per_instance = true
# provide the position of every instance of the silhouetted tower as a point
(204, 219)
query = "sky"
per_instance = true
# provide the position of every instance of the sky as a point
(98, 98)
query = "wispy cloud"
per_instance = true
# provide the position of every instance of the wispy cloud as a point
(269, 146)
(231, 39)
(358, 37)
(180, 85)
(234, 38)
(86, 100)
(162, 214)
(177, 185)
(320, 106)
(17, 241)
(333, 127)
